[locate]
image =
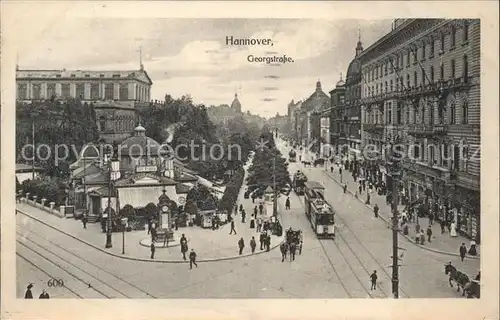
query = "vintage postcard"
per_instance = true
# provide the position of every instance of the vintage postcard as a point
(249, 160)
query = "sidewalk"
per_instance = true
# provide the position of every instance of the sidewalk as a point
(441, 243)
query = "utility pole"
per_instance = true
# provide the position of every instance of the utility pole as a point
(275, 200)
(109, 243)
(34, 151)
(395, 171)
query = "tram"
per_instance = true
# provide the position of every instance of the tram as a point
(292, 156)
(320, 214)
(298, 182)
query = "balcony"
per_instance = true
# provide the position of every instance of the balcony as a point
(373, 127)
(440, 129)
(420, 130)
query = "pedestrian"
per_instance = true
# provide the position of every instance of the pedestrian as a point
(375, 210)
(84, 221)
(255, 210)
(253, 198)
(235, 209)
(340, 170)
(243, 216)
(253, 244)
(431, 218)
(184, 250)
(262, 239)
(232, 228)
(373, 278)
(28, 294)
(284, 250)
(429, 234)
(293, 249)
(287, 203)
(259, 224)
(153, 234)
(417, 229)
(472, 250)
(463, 251)
(192, 259)
(241, 245)
(331, 169)
(360, 188)
(241, 207)
(453, 229)
(422, 237)
(345, 187)
(152, 248)
(252, 222)
(149, 225)
(44, 295)
(268, 242)
(367, 198)
(442, 224)
(261, 208)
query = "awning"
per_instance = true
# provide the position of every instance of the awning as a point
(205, 182)
(140, 196)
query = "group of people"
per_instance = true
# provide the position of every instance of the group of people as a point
(292, 243)
(29, 295)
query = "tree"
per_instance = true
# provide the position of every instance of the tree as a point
(60, 126)
(127, 212)
(151, 210)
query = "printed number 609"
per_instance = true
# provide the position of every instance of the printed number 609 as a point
(55, 283)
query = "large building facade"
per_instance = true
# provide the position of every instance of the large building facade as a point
(336, 114)
(352, 108)
(114, 94)
(421, 85)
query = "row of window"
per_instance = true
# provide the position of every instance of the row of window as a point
(419, 115)
(95, 92)
(425, 78)
(389, 66)
(125, 125)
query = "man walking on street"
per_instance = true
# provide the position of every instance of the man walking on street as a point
(84, 221)
(152, 248)
(287, 203)
(262, 239)
(192, 259)
(345, 187)
(255, 210)
(373, 278)
(243, 216)
(261, 208)
(241, 245)
(253, 244)
(232, 228)
(463, 251)
(268, 242)
(375, 210)
(429, 234)
(442, 224)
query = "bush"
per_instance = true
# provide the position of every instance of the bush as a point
(51, 189)
(127, 212)
(232, 191)
(151, 210)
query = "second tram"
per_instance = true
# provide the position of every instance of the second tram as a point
(320, 214)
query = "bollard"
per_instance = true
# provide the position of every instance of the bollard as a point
(51, 205)
(34, 200)
(43, 202)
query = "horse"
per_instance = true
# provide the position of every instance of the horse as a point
(462, 281)
(306, 163)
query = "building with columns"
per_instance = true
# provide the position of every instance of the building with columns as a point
(422, 84)
(114, 94)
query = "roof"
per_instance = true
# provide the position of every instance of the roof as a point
(182, 188)
(353, 71)
(236, 103)
(183, 176)
(132, 180)
(140, 145)
(21, 167)
(269, 189)
(82, 74)
(313, 185)
(103, 192)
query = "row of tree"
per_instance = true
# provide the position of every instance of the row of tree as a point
(268, 165)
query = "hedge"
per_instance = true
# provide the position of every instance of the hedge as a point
(51, 189)
(232, 191)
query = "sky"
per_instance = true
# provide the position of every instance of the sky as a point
(190, 56)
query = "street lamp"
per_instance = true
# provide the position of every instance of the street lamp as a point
(113, 168)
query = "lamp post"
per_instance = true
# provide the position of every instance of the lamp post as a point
(113, 164)
(124, 224)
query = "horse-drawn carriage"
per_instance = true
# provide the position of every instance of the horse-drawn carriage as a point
(470, 287)
(293, 236)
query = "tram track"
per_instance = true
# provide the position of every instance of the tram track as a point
(350, 266)
(78, 268)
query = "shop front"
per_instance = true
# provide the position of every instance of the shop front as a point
(467, 205)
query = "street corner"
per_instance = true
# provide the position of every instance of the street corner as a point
(175, 242)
